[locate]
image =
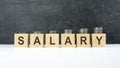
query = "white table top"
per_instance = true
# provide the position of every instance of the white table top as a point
(108, 57)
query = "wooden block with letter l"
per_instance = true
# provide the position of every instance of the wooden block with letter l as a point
(68, 39)
(52, 39)
(98, 38)
(83, 38)
(21, 40)
(36, 40)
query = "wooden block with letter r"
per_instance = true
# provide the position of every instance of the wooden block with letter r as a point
(99, 40)
(21, 40)
(52, 40)
(68, 40)
(36, 40)
(83, 40)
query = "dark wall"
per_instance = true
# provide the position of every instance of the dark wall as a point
(44, 15)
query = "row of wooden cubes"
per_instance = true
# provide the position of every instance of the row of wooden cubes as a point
(59, 40)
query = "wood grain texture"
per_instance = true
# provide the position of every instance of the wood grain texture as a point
(95, 42)
(39, 37)
(64, 39)
(79, 42)
(17, 41)
(52, 40)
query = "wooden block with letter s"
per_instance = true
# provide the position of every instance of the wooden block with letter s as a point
(21, 40)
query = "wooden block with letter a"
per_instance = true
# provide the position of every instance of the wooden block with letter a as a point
(83, 40)
(99, 40)
(52, 40)
(36, 40)
(21, 40)
(68, 40)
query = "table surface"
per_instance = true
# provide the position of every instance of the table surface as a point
(108, 57)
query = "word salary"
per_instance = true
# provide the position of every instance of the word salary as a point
(59, 40)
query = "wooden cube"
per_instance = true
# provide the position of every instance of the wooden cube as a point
(36, 40)
(98, 40)
(68, 40)
(21, 40)
(83, 40)
(52, 40)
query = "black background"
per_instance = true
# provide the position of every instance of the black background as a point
(44, 15)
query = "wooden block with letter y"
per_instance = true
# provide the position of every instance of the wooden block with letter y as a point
(99, 40)
(21, 40)
(36, 40)
(83, 40)
(52, 40)
(68, 40)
